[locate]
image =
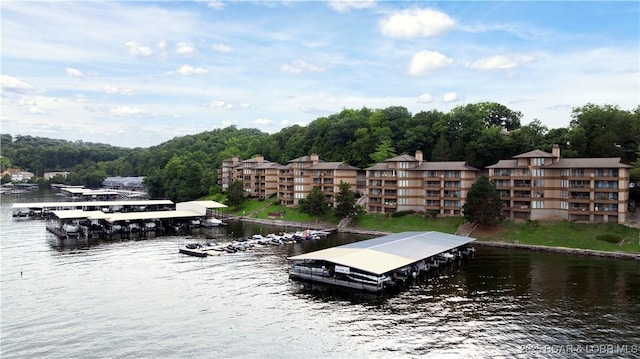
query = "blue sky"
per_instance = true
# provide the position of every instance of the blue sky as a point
(139, 73)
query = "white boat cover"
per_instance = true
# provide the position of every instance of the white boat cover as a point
(384, 254)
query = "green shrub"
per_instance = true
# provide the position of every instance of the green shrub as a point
(402, 213)
(609, 237)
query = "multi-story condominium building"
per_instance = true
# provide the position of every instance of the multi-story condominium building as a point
(265, 179)
(408, 183)
(249, 170)
(302, 174)
(228, 172)
(538, 185)
(328, 176)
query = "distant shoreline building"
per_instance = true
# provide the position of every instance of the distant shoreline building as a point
(533, 185)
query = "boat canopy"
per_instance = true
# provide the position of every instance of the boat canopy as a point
(131, 216)
(79, 204)
(384, 254)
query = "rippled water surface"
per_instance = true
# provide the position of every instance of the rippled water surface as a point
(144, 299)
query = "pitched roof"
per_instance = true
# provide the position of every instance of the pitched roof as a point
(332, 166)
(534, 154)
(378, 166)
(401, 158)
(506, 164)
(608, 162)
(267, 165)
(445, 166)
(304, 159)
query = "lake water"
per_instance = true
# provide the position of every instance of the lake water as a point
(142, 299)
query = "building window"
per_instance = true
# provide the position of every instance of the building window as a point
(537, 204)
(403, 174)
(403, 192)
(564, 205)
(539, 172)
(403, 201)
(404, 164)
(403, 183)
(538, 161)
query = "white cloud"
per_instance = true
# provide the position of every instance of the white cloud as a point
(190, 70)
(127, 111)
(262, 122)
(425, 98)
(117, 90)
(12, 84)
(343, 6)
(450, 97)
(138, 50)
(221, 48)
(414, 23)
(27, 101)
(228, 106)
(425, 62)
(290, 69)
(500, 62)
(185, 48)
(36, 111)
(297, 66)
(71, 72)
(218, 5)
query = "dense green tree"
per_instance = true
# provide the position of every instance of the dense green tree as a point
(315, 204)
(483, 203)
(442, 150)
(497, 115)
(604, 131)
(384, 151)
(346, 206)
(235, 194)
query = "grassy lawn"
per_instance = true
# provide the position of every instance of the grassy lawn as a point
(563, 234)
(412, 222)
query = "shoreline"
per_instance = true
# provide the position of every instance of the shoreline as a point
(562, 250)
(532, 247)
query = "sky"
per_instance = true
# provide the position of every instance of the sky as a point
(139, 73)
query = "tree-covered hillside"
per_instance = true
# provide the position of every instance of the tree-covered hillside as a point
(480, 134)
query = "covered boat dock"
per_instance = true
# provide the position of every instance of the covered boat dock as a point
(43, 209)
(68, 223)
(374, 264)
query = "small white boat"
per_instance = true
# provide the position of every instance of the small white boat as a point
(211, 222)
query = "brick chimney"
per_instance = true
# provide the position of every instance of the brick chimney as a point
(556, 153)
(315, 158)
(419, 157)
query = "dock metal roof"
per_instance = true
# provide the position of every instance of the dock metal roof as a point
(131, 216)
(387, 253)
(77, 204)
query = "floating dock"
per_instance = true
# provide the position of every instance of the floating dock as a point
(375, 264)
(104, 219)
